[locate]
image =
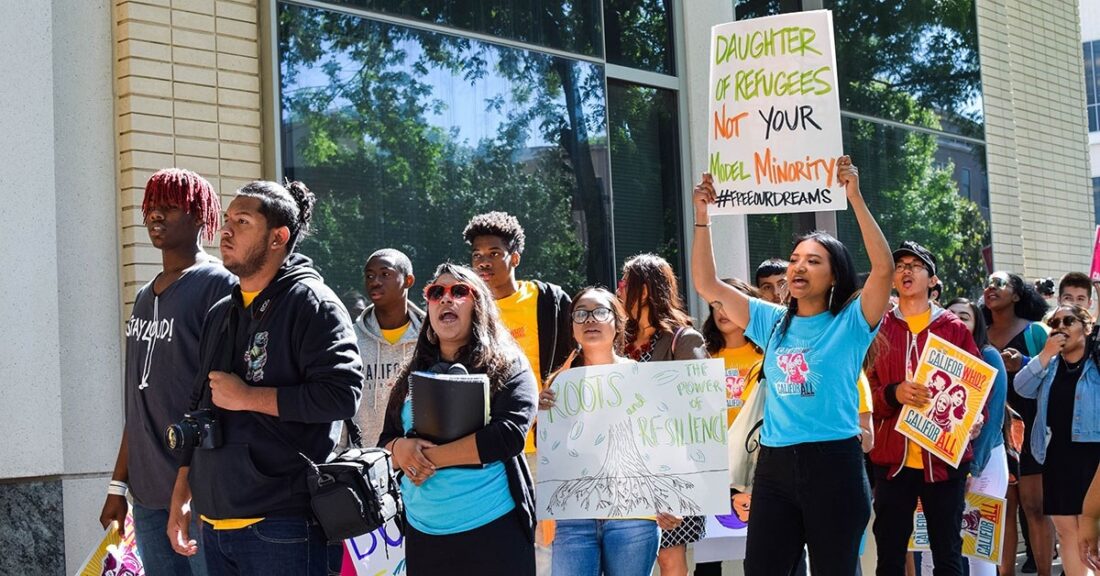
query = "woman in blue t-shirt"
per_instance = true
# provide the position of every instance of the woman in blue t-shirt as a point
(477, 489)
(810, 486)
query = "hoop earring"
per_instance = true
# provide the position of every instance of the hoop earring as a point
(432, 338)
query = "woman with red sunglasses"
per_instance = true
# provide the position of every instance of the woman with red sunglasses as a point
(477, 489)
(658, 329)
(1065, 380)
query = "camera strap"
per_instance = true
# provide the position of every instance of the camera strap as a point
(224, 360)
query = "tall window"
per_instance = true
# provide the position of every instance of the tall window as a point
(408, 125)
(1092, 83)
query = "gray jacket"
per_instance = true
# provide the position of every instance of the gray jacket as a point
(382, 362)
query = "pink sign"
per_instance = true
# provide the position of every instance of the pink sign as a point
(1094, 272)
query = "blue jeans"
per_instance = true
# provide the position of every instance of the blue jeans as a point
(157, 555)
(609, 547)
(290, 546)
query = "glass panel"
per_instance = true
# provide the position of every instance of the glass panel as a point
(911, 183)
(639, 34)
(1090, 74)
(1096, 198)
(404, 135)
(1094, 125)
(570, 25)
(746, 9)
(645, 172)
(893, 57)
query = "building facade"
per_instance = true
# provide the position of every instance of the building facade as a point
(585, 118)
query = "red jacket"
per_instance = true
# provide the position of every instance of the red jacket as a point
(894, 340)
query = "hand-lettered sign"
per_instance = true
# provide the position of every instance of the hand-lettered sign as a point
(774, 131)
(633, 439)
(378, 553)
(1094, 270)
(960, 384)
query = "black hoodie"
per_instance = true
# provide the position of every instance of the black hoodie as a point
(296, 337)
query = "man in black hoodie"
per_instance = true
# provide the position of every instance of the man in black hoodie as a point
(283, 372)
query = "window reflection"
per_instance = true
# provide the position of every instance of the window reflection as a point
(910, 180)
(645, 167)
(639, 34)
(405, 134)
(570, 25)
(912, 61)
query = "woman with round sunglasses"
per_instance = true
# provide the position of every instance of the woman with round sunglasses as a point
(658, 329)
(610, 546)
(476, 489)
(1065, 380)
(814, 349)
(989, 466)
(1012, 310)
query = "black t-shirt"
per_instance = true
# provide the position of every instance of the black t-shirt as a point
(1060, 405)
(162, 357)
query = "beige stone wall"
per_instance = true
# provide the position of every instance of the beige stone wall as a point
(1033, 79)
(187, 82)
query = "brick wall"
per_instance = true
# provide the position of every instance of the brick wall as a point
(187, 76)
(1033, 80)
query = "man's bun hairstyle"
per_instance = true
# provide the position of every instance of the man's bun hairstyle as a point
(290, 206)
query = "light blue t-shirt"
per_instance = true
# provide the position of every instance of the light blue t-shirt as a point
(811, 372)
(455, 500)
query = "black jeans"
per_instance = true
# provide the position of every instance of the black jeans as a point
(499, 548)
(814, 494)
(895, 502)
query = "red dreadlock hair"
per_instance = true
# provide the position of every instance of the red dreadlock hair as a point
(187, 190)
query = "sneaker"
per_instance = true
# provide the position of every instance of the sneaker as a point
(1029, 566)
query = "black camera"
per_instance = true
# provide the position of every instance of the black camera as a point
(198, 429)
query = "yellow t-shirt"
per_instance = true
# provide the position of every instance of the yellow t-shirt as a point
(235, 523)
(917, 324)
(392, 336)
(742, 373)
(519, 312)
(864, 386)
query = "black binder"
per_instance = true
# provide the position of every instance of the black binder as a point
(446, 407)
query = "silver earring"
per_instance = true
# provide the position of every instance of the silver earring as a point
(831, 290)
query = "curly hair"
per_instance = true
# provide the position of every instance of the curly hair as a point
(187, 190)
(491, 349)
(501, 224)
(1030, 306)
(711, 334)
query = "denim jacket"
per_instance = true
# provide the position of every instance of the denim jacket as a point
(1034, 381)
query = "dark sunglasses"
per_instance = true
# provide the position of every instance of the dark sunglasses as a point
(458, 292)
(1067, 321)
(601, 315)
(996, 282)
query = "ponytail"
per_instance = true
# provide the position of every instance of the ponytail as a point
(290, 206)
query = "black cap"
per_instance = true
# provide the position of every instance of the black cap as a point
(910, 248)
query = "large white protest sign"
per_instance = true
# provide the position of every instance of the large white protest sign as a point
(628, 440)
(774, 131)
(378, 553)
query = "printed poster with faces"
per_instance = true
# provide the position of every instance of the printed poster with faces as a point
(982, 528)
(960, 384)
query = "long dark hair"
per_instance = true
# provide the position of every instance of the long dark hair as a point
(981, 333)
(491, 349)
(846, 286)
(711, 334)
(666, 308)
(619, 316)
(1030, 306)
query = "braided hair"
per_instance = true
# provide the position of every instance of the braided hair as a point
(187, 190)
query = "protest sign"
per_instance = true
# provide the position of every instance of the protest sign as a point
(982, 528)
(774, 133)
(114, 555)
(725, 539)
(960, 384)
(632, 439)
(379, 553)
(1094, 270)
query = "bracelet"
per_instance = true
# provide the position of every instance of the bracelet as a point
(698, 225)
(117, 488)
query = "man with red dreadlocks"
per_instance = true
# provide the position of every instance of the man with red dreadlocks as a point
(162, 357)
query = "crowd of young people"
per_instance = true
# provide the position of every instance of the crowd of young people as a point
(258, 340)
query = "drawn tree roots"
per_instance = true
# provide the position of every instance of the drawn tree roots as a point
(624, 484)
